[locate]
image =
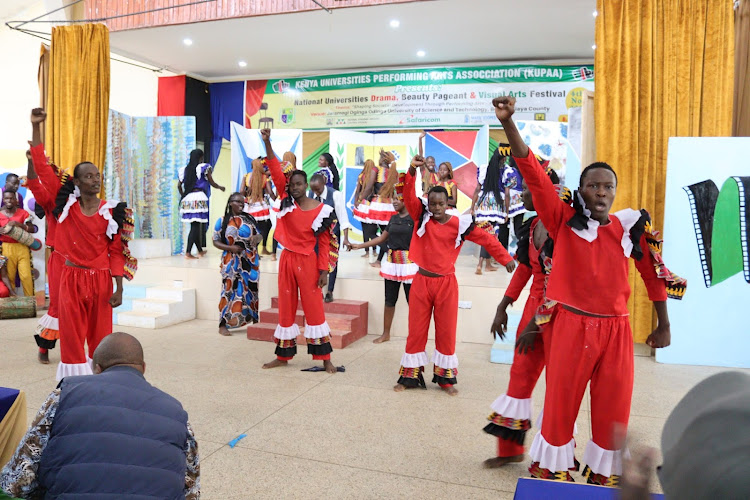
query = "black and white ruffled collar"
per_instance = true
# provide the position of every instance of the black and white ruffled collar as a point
(633, 224)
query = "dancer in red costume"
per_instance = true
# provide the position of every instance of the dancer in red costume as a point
(511, 415)
(90, 236)
(589, 333)
(435, 245)
(300, 224)
(44, 181)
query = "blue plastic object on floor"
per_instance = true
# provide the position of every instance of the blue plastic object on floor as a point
(540, 489)
(236, 440)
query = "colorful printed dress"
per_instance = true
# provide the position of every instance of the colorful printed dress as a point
(238, 305)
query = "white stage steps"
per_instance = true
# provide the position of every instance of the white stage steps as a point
(148, 306)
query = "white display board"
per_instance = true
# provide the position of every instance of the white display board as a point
(706, 242)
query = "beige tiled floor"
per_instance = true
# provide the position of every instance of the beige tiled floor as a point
(343, 436)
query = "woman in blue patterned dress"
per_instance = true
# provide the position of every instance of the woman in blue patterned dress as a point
(238, 236)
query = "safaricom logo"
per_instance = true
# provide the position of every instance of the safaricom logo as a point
(720, 222)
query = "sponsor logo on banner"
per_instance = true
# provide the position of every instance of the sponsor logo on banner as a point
(287, 116)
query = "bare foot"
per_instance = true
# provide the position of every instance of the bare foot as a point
(273, 364)
(383, 338)
(496, 462)
(478, 271)
(273, 256)
(399, 388)
(450, 390)
(330, 368)
(203, 253)
(365, 255)
(190, 256)
(375, 264)
(223, 330)
(263, 251)
(43, 357)
(490, 268)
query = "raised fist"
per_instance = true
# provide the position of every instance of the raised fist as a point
(265, 134)
(504, 106)
(417, 161)
(38, 115)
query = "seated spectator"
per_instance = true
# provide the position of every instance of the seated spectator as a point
(113, 435)
(705, 444)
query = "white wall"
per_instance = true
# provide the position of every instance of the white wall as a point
(133, 90)
(19, 58)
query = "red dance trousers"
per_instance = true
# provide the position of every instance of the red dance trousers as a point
(524, 373)
(582, 349)
(85, 312)
(298, 279)
(434, 297)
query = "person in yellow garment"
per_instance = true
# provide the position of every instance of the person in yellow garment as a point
(18, 254)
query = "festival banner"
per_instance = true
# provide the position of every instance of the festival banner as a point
(436, 97)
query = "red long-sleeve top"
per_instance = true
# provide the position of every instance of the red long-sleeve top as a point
(524, 272)
(437, 249)
(45, 188)
(83, 241)
(588, 276)
(299, 230)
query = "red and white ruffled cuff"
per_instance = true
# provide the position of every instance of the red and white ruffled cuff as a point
(317, 331)
(49, 322)
(444, 360)
(414, 360)
(286, 332)
(508, 407)
(74, 369)
(553, 458)
(604, 462)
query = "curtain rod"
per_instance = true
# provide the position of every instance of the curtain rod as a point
(101, 19)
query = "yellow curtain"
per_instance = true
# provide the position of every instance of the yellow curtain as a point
(741, 125)
(78, 101)
(664, 68)
(43, 79)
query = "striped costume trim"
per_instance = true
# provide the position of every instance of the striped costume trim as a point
(487, 227)
(445, 372)
(410, 372)
(412, 377)
(333, 250)
(676, 286)
(399, 257)
(510, 423)
(285, 344)
(594, 478)
(540, 473)
(319, 341)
